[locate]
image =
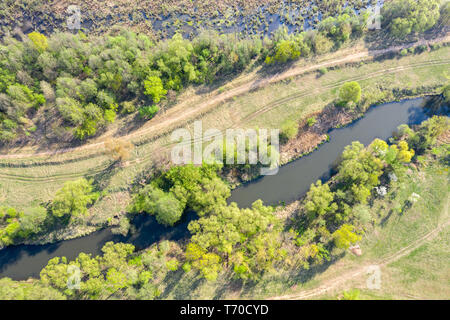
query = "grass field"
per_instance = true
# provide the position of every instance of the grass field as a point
(27, 182)
(420, 273)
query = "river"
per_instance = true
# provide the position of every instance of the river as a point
(292, 181)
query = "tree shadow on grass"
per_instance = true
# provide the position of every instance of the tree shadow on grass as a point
(131, 124)
(178, 284)
(288, 279)
(103, 178)
(231, 284)
(386, 218)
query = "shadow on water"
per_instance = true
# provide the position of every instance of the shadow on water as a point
(294, 179)
(24, 261)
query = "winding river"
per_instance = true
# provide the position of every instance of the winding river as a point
(291, 182)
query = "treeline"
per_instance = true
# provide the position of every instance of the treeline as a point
(84, 83)
(331, 34)
(403, 17)
(76, 85)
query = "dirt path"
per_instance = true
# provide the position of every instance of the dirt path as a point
(170, 118)
(162, 149)
(340, 280)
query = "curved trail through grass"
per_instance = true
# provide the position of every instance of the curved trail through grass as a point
(167, 146)
(171, 118)
(340, 280)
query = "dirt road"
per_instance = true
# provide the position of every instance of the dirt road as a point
(334, 283)
(171, 117)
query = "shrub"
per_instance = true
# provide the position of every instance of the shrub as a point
(345, 236)
(73, 198)
(350, 94)
(118, 149)
(311, 121)
(289, 130)
(148, 112)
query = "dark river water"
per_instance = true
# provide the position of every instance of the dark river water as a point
(291, 182)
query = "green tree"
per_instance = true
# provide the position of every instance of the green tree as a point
(207, 263)
(163, 205)
(403, 17)
(9, 225)
(350, 93)
(359, 170)
(247, 239)
(154, 88)
(427, 133)
(345, 236)
(39, 41)
(33, 221)
(73, 198)
(199, 188)
(286, 50)
(319, 200)
(168, 210)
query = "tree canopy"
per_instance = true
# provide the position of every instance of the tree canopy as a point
(403, 17)
(73, 198)
(350, 93)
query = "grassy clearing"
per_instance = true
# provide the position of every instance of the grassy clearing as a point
(421, 274)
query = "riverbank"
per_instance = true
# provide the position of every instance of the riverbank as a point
(26, 182)
(395, 229)
(410, 247)
(288, 185)
(330, 118)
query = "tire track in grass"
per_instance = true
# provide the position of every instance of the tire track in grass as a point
(220, 98)
(264, 109)
(340, 280)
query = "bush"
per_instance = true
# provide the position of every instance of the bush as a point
(154, 87)
(118, 149)
(289, 130)
(148, 112)
(311, 121)
(323, 71)
(322, 44)
(286, 50)
(350, 94)
(73, 198)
